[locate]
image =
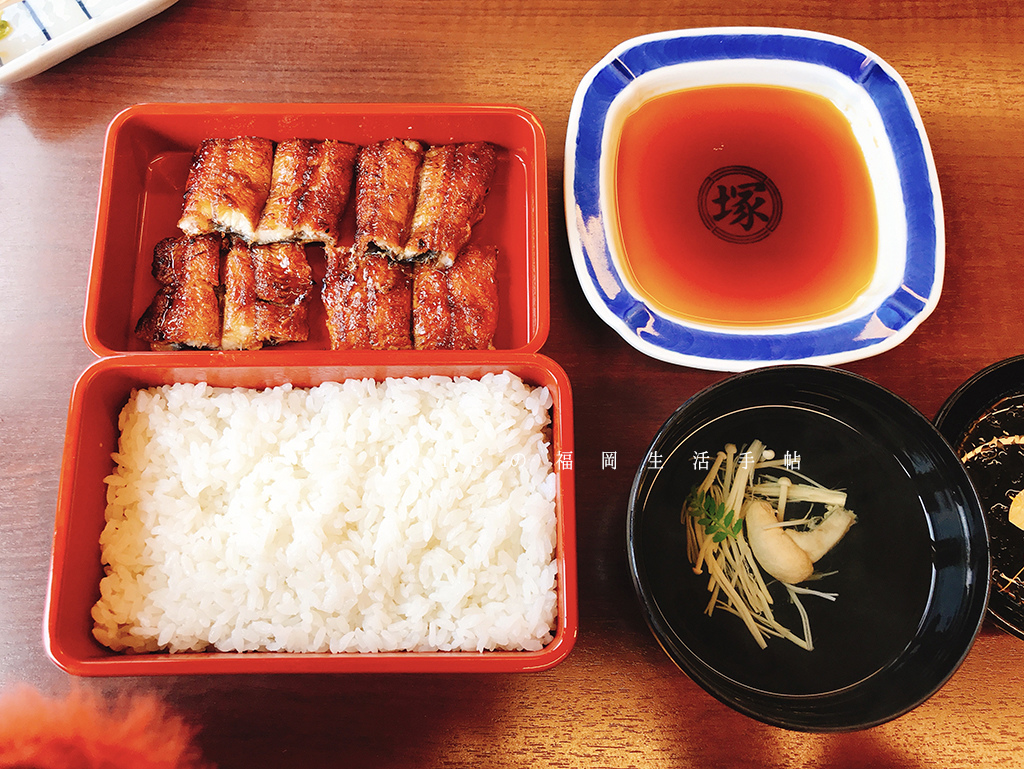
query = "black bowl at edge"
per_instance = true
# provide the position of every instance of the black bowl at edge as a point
(958, 421)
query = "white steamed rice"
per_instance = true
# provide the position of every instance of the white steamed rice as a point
(409, 514)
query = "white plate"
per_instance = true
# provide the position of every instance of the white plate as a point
(885, 124)
(45, 32)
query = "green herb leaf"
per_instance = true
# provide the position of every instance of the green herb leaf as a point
(719, 523)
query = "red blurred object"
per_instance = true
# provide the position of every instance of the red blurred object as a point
(82, 730)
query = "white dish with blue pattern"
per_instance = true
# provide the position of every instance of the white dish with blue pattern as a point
(46, 32)
(888, 128)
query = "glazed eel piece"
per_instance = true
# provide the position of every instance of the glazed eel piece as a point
(453, 184)
(456, 307)
(310, 186)
(267, 289)
(185, 313)
(368, 299)
(227, 186)
(387, 177)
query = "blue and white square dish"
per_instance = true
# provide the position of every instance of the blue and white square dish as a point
(907, 279)
(42, 33)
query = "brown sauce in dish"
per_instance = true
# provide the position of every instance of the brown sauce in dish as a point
(744, 205)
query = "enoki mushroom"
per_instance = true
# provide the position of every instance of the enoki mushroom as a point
(738, 532)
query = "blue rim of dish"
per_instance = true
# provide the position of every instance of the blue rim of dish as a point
(875, 331)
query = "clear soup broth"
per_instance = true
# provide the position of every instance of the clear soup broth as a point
(744, 205)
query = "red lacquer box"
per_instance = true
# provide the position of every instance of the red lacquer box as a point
(149, 148)
(146, 160)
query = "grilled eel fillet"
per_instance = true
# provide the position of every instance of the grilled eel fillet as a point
(185, 311)
(267, 289)
(309, 190)
(456, 308)
(227, 186)
(368, 299)
(453, 183)
(387, 176)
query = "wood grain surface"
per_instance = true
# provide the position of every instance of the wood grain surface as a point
(617, 701)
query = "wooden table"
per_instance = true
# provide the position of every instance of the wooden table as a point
(617, 700)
